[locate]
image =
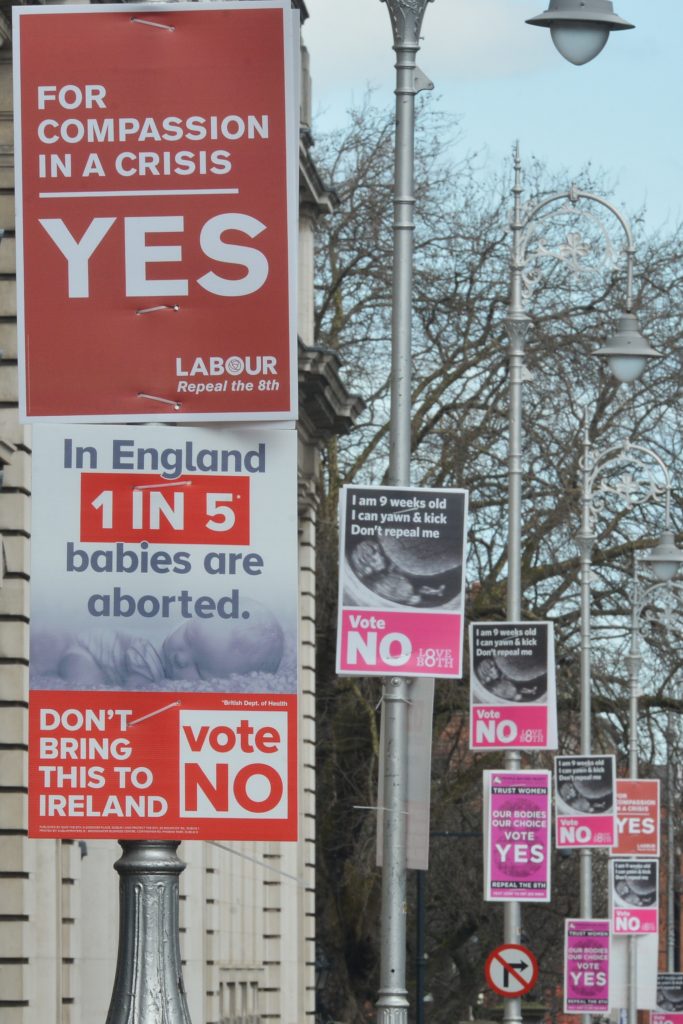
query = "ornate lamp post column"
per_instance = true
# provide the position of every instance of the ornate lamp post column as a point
(627, 353)
(641, 608)
(639, 489)
(148, 986)
(406, 20)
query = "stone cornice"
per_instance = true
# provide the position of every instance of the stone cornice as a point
(314, 195)
(326, 408)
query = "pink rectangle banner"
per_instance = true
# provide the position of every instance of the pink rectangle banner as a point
(669, 999)
(586, 966)
(517, 835)
(634, 895)
(584, 801)
(401, 581)
(512, 686)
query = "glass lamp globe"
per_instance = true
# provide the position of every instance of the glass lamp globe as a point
(665, 559)
(580, 28)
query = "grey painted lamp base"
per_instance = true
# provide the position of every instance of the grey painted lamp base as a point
(148, 986)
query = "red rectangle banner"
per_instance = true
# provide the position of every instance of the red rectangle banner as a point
(188, 765)
(156, 227)
(193, 509)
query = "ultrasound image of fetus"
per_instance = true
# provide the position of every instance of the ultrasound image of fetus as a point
(368, 558)
(587, 796)
(670, 999)
(397, 579)
(494, 681)
(569, 793)
(507, 677)
(636, 892)
(372, 566)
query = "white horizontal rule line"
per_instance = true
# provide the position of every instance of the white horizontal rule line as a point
(142, 192)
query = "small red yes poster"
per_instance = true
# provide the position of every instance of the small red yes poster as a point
(157, 200)
(637, 818)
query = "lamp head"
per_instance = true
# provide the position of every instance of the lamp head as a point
(627, 351)
(579, 28)
(665, 559)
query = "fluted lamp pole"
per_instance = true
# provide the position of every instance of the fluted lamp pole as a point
(148, 985)
(627, 353)
(665, 560)
(406, 21)
(596, 466)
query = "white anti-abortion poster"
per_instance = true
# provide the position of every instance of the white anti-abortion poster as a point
(163, 651)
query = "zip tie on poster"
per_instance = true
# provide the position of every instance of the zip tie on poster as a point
(156, 398)
(156, 309)
(160, 487)
(154, 24)
(159, 711)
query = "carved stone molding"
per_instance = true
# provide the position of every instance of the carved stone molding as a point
(325, 406)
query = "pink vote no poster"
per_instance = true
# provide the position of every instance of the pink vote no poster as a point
(401, 581)
(517, 836)
(512, 686)
(634, 895)
(585, 801)
(669, 999)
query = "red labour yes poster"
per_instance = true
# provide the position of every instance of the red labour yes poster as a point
(156, 211)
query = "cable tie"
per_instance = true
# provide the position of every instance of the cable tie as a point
(159, 711)
(155, 309)
(154, 24)
(155, 398)
(160, 486)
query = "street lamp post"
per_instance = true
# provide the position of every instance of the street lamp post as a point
(595, 488)
(627, 352)
(571, 32)
(148, 985)
(634, 492)
(670, 852)
(665, 559)
(640, 608)
(406, 20)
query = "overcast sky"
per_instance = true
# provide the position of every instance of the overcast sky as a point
(506, 81)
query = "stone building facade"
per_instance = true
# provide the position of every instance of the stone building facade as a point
(247, 909)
